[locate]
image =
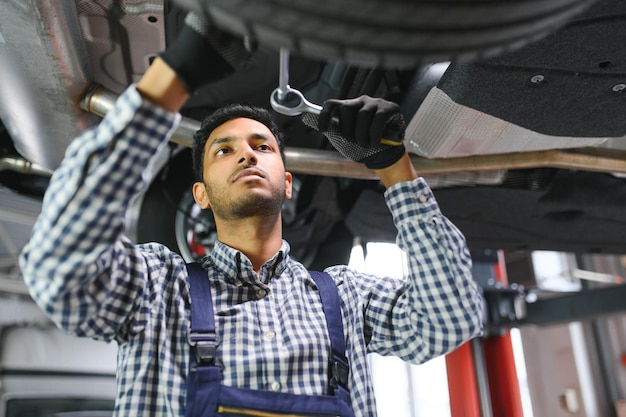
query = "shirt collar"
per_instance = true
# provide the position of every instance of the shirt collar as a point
(236, 267)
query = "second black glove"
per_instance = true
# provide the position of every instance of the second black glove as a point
(355, 127)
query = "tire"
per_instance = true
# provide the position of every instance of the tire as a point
(391, 33)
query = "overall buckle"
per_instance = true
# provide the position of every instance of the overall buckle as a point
(339, 373)
(204, 348)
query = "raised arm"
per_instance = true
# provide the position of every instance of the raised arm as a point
(79, 267)
(438, 306)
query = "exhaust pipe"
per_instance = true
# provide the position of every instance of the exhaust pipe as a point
(23, 166)
(99, 101)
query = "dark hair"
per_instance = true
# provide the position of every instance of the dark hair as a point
(223, 115)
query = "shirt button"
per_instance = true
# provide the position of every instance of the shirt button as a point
(270, 335)
(275, 386)
(261, 293)
(450, 254)
(422, 198)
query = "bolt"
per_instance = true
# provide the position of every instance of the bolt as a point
(618, 88)
(536, 79)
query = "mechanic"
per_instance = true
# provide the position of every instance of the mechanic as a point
(271, 329)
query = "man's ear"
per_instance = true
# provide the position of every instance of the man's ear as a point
(288, 184)
(200, 195)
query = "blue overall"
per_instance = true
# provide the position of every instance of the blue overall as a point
(207, 397)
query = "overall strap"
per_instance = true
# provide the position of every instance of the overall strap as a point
(338, 363)
(202, 332)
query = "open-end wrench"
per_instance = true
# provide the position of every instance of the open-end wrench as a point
(291, 102)
(286, 100)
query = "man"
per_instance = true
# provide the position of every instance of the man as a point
(270, 323)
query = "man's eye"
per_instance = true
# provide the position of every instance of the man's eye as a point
(222, 151)
(264, 147)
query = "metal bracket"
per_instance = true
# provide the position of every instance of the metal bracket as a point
(503, 306)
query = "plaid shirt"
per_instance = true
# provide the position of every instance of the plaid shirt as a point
(93, 282)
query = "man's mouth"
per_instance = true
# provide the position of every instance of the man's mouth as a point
(249, 172)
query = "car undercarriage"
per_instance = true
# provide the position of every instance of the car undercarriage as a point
(521, 137)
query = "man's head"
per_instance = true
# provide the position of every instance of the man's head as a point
(222, 116)
(239, 161)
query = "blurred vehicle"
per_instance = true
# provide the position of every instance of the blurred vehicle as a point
(515, 112)
(45, 373)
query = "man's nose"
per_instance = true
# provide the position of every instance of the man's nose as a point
(247, 155)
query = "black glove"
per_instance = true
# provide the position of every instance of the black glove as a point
(362, 123)
(202, 53)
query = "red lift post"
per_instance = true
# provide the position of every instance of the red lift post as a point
(496, 361)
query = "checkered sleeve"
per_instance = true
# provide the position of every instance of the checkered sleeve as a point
(78, 266)
(439, 306)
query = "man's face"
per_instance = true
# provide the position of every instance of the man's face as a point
(244, 174)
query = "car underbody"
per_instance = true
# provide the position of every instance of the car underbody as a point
(524, 146)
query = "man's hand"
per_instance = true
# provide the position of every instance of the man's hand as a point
(361, 125)
(200, 55)
(203, 54)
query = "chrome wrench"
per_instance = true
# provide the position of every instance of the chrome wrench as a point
(286, 100)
